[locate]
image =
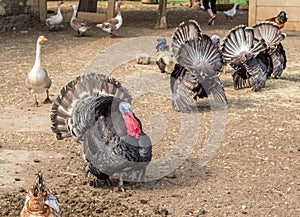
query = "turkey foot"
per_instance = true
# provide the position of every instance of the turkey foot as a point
(100, 182)
(120, 187)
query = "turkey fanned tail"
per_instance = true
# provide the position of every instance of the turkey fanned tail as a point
(185, 32)
(70, 116)
(269, 31)
(239, 46)
(248, 56)
(203, 59)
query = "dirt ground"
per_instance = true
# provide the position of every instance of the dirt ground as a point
(255, 171)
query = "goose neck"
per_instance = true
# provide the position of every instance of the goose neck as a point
(74, 13)
(38, 53)
(119, 9)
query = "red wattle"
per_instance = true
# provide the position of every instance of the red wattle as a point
(132, 126)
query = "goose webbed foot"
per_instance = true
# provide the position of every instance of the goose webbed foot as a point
(112, 35)
(47, 101)
(35, 104)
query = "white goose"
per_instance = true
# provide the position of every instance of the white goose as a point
(57, 19)
(231, 12)
(113, 24)
(37, 79)
(78, 25)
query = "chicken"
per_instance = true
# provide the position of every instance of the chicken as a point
(112, 25)
(38, 79)
(57, 19)
(97, 111)
(195, 74)
(280, 19)
(39, 201)
(231, 12)
(248, 57)
(78, 25)
(269, 31)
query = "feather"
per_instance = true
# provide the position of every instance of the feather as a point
(185, 32)
(195, 69)
(96, 110)
(269, 31)
(40, 201)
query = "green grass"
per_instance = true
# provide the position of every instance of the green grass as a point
(240, 2)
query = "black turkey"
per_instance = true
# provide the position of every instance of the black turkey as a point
(97, 111)
(269, 31)
(198, 63)
(248, 57)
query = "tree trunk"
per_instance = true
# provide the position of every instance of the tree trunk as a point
(161, 22)
(87, 5)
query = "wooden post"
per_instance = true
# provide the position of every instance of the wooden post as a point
(162, 15)
(252, 12)
(110, 13)
(43, 10)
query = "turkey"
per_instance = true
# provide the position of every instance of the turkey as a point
(198, 63)
(39, 201)
(97, 111)
(269, 31)
(248, 57)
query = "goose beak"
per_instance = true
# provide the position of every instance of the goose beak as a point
(42, 39)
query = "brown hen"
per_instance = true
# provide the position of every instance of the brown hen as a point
(39, 201)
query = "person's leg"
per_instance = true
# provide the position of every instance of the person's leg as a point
(212, 12)
(205, 4)
(213, 6)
